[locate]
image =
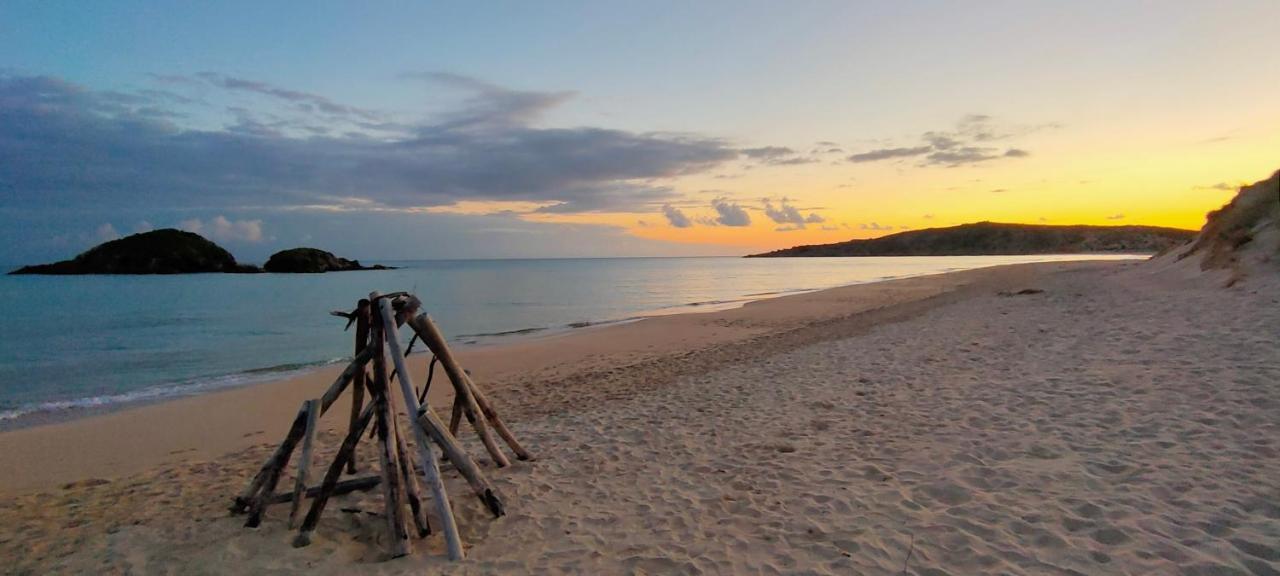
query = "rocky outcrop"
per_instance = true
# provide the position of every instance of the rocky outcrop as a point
(313, 261)
(166, 251)
(991, 238)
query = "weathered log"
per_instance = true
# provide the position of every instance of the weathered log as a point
(329, 485)
(258, 503)
(343, 487)
(431, 468)
(355, 368)
(361, 318)
(455, 419)
(498, 425)
(410, 477)
(392, 483)
(431, 336)
(304, 461)
(434, 427)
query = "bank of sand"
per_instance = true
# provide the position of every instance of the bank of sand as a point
(1117, 422)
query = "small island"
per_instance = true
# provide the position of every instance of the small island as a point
(993, 238)
(313, 261)
(171, 251)
(166, 251)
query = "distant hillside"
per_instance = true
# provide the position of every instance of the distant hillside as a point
(166, 251)
(991, 238)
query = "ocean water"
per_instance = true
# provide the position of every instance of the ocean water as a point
(70, 343)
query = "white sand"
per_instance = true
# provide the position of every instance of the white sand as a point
(1118, 423)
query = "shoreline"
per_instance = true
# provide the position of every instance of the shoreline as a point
(139, 437)
(68, 410)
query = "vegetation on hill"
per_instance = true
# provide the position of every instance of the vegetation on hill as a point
(991, 238)
(166, 251)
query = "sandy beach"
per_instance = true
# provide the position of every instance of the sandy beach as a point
(1122, 421)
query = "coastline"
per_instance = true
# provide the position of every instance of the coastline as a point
(1079, 417)
(70, 409)
(138, 437)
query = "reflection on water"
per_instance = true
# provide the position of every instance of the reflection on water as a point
(72, 341)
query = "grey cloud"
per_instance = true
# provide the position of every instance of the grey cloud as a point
(62, 144)
(889, 153)
(730, 213)
(303, 99)
(785, 213)
(676, 217)
(776, 156)
(966, 144)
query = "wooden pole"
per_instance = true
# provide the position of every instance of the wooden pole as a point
(492, 415)
(392, 483)
(304, 462)
(431, 336)
(410, 477)
(351, 372)
(329, 485)
(430, 467)
(278, 461)
(343, 487)
(245, 499)
(358, 381)
(434, 427)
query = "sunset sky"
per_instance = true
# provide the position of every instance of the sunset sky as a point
(529, 129)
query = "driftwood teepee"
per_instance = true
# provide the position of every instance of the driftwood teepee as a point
(377, 320)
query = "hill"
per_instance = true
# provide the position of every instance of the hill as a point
(312, 261)
(991, 238)
(1241, 238)
(166, 251)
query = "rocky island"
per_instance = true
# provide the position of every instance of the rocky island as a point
(166, 251)
(171, 251)
(313, 260)
(992, 238)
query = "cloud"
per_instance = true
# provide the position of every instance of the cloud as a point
(220, 229)
(788, 215)
(889, 153)
(776, 156)
(968, 143)
(676, 217)
(304, 100)
(874, 226)
(730, 213)
(1221, 187)
(106, 232)
(142, 226)
(1116, 217)
(486, 150)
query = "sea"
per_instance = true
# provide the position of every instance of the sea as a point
(79, 344)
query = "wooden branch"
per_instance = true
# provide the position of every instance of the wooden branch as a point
(431, 336)
(410, 477)
(328, 487)
(304, 461)
(343, 487)
(392, 476)
(430, 468)
(258, 503)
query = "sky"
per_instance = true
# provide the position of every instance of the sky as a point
(392, 130)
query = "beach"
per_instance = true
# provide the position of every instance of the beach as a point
(1059, 418)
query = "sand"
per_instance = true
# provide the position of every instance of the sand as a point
(1119, 422)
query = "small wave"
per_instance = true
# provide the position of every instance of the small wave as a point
(154, 393)
(502, 333)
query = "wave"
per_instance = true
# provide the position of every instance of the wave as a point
(168, 391)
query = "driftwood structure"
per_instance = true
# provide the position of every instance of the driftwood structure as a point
(381, 383)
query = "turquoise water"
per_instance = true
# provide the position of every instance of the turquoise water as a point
(75, 342)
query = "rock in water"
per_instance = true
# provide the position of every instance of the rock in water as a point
(166, 251)
(313, 260)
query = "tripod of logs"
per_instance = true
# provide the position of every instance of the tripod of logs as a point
(377, 321)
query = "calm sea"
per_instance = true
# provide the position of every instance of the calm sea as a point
(69, 343)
